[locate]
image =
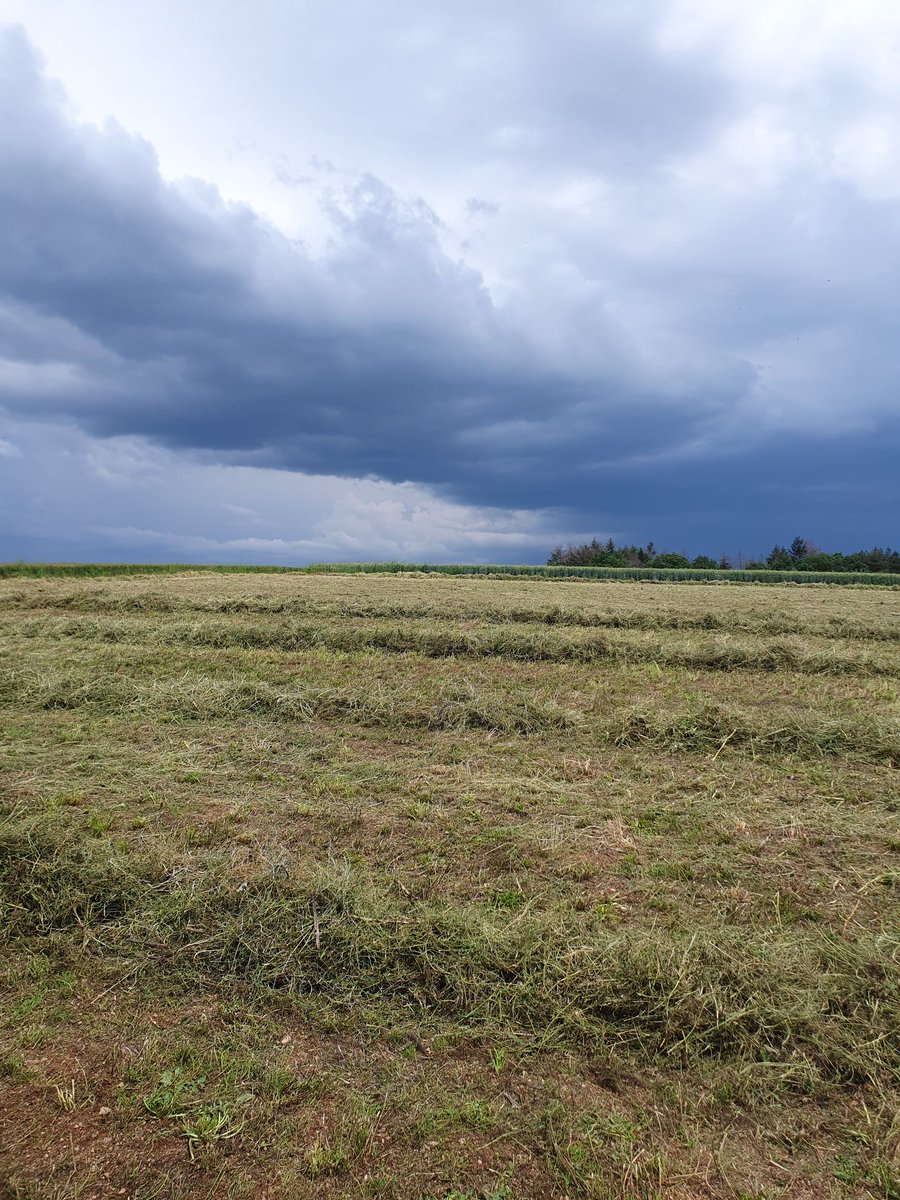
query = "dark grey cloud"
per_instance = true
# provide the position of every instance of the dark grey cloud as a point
(699, 378)
(192, 321)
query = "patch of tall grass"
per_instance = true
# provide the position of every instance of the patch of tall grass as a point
(803, 1007)
(541, 643)
(447, 705)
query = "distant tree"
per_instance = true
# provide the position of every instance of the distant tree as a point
(779, 559)
(823, 562)
(800, 547)
(878, 559)
(593, 554)
(754, 566)
(588, 554)
(704, 563)
(671, 560)
(724, 563)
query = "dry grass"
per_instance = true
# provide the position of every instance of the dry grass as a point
(432, 887)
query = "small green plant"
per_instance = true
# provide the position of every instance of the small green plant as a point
(14, 1069)
(211, 1123)
(98, 822)
(325, 1157)
(332, 1152)
(679, 871)
(173, 1093)
(71, 798)
(176, 1097)
(280, 1083)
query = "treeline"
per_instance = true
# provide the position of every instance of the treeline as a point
(801, 555)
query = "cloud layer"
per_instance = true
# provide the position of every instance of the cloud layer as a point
(638, 285)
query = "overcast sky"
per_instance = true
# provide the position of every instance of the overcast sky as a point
(283, 281)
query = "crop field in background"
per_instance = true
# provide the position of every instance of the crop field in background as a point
(379, 885)
(623, 574)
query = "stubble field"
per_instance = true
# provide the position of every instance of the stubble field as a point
(398, 886)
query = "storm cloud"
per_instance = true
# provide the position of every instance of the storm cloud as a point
(665, 307)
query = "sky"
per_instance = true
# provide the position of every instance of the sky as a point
(288, 282)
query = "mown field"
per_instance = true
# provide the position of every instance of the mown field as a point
(381, 886)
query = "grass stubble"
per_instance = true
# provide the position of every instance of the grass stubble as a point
(443, 887)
